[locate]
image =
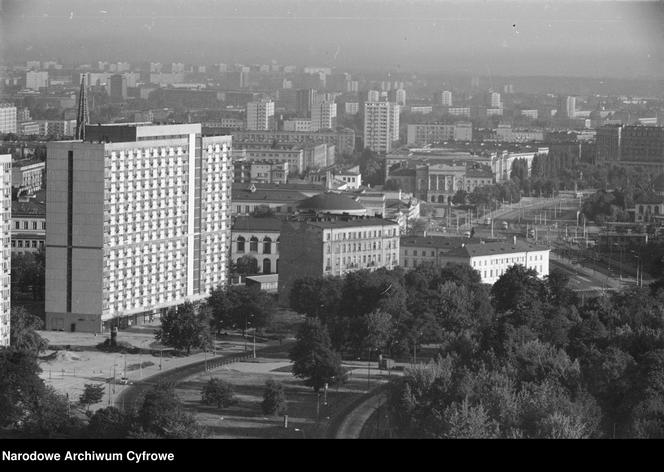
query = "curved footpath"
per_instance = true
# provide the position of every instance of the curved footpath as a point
(134, 391)
(348, 424)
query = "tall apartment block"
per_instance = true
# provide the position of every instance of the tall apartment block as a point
(323, 115)
(494, 100)
(7, 118)
(304, 100)
(260, 115)
(373, 96)
(381, 125)
(571, 107)
(443, 98)
(5, 250)
(138, 219)
(608, 144)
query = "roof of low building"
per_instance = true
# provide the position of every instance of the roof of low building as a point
(330, 201)
(281, 196)
(268, 278)
(280, 187)
(354, 223)
(26, 162)
(495, 248)
(34, 208)
(256, 223)
(438, 242)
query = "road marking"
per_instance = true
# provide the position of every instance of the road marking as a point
(584, 278)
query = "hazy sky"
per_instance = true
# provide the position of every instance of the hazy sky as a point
(501, 37)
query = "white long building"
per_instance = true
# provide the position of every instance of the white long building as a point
(428, 133)
(138, 220)
(491, 260)
(5, 249)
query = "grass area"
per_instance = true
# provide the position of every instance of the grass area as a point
(245, 419)
(285, 322)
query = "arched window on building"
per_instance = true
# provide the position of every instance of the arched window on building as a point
(267, 245)
(267, 266)
(253, 244)
(240, 244)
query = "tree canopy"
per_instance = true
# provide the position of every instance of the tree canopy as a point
(185, 327)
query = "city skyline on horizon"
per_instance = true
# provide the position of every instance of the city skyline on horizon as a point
(508, 38)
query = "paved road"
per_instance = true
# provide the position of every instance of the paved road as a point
(136, 390)
(584, 278)
(348, 424)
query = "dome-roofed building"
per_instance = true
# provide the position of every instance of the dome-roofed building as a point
(333, 203)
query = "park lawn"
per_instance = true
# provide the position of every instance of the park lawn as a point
(246, 420)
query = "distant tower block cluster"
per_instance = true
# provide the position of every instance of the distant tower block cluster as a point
(5, 253)
(138, 220)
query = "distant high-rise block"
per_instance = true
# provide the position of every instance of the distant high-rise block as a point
(381, 125)
(260, 115)
(494, 99)
(571, 107)
(443, 98)
(138, 220)
(35, 80)
(118, 88)
(304, 100)
(323, 115)
(7, 118)
(373, 96)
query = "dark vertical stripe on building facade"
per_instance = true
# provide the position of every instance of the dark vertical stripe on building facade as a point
(70, 208)
(198, 191)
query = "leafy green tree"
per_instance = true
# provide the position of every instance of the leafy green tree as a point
(250, 307)
(246, 265)
(317, 296)
(23, 331)
(162, 415)
(19, 383)
(183, 328)
(219, 393)
(517, 286)
(49, 414)
(91, 394)
(466, 421)
(109, 423)
(313, 358)
(379, 328)
(460, 197)
(274, 399)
